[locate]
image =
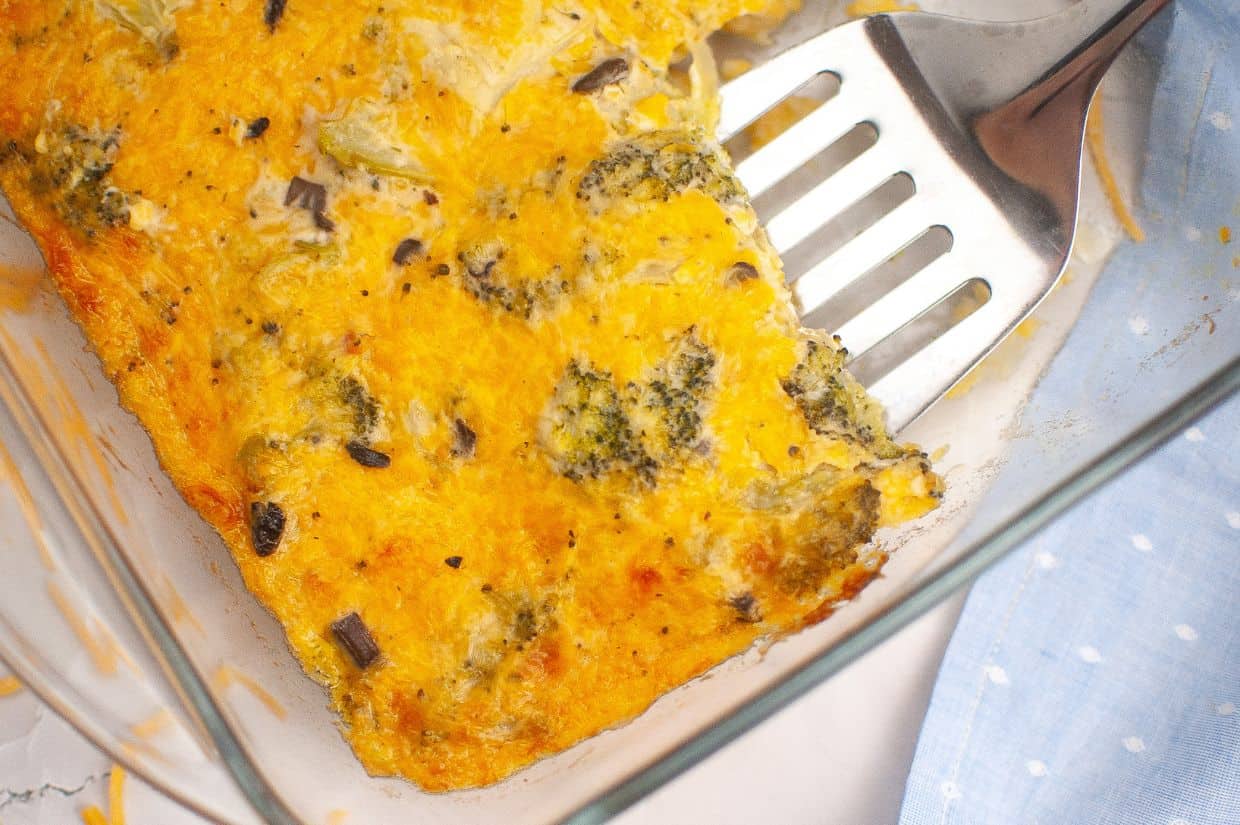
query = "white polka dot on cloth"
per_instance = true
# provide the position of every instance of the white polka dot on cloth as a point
(1036, 767)
(950, 790)
(1178, 821)
(1233, 519)
(1186, 632)
(1089, 654)
(997, 675)
(1046, 561)
(1192, 233)
(1194, 434)
(1220, 121)
(1141, 542)
(1133, 744)
(1225, 709)
(1138, 325)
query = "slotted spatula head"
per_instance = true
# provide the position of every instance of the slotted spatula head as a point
(987, 119)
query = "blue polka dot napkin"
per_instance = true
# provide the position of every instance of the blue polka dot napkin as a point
(1094, 676)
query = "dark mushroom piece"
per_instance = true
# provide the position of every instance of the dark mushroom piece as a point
(266, 526)
(356, 639)
(606, 73)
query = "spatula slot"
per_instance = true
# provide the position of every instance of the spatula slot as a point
(914, 336)
(791, 110)
(905, 263)
(821, 166)
(848, 224)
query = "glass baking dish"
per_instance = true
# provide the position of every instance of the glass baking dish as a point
(124, 612)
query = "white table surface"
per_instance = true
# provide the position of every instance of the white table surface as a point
(845, 749)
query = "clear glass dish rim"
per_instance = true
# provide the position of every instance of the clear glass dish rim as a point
(626, 790)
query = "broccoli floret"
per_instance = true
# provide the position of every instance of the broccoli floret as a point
(484, 276)
(670, 402)
(591, 427)
(832, 401)
(72, 167)
(516, 619)
(656, 167)
(587, 430)
(363, 408)
(844, 521)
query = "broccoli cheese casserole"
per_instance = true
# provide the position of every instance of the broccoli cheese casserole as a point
(452, 318)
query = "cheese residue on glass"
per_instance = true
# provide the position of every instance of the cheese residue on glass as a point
(456, 324)
(92, 815)
(1095, 139)
(227, 675)
(862, 8)
(95, 636)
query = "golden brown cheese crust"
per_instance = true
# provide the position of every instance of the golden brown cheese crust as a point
(506, 369)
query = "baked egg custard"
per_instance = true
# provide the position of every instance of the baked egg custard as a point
(452, 318)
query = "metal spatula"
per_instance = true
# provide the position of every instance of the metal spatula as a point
(988, 120)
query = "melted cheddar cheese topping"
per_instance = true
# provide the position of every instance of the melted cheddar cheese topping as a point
(451, 317)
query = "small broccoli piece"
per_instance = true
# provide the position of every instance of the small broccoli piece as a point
(71, 167)
(515, 619)
(484, 276)
(363, 408)
(592, 428)
(746, 607)
(836, 528)
(832, 401)
(655, 167)
(669, 404)
(587, 430)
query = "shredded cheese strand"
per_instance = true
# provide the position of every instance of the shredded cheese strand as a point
(152, 725)
(863, 8)
(91, 815)
(25, 501)
(102, 651)
(227, 675)
(1095, 138)
(116, 796)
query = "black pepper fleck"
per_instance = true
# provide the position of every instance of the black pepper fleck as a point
(256, 127)
(746, 607)
(453, 561)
